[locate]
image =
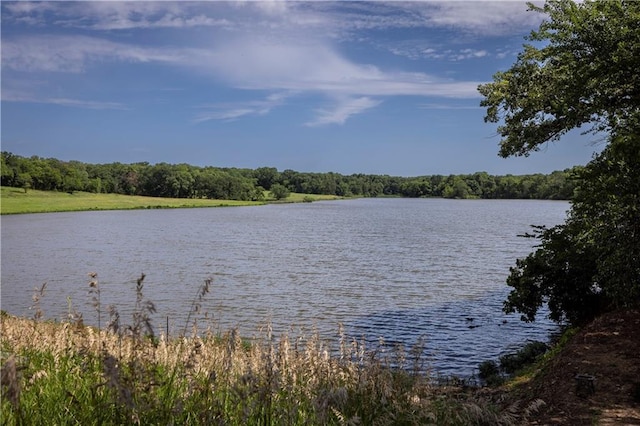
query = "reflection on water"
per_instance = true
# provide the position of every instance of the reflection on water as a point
(391, 268)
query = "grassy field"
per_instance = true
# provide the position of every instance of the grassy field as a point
(15, 201)
(296, 197)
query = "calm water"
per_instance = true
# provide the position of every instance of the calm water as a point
(397, 269)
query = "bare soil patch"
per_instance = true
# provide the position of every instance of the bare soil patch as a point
(608, 351)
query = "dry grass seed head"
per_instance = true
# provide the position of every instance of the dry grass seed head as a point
(38, 293)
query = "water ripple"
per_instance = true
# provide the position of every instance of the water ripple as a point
(394, 269)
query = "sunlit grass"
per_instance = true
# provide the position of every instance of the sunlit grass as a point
(296, 197)
(15, 200)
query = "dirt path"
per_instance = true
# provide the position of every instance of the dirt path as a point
(607, 351)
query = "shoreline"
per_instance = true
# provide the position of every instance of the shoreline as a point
(544, 394)
(15, 201)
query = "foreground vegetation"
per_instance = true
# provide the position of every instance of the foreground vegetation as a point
(77, 375)
(68, 373)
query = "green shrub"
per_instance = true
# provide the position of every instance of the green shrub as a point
(489, 373)
(494, 374)
(512, 363)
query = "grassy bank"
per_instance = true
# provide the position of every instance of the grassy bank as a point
(16, 201)
(68, 373)
(296, 197)
(124, 373)
(71, 374)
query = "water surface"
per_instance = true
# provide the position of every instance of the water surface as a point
(397, 269)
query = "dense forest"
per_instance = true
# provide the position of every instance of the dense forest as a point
(187, 181)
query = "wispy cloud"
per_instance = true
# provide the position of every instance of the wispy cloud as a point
(235, 110)
(288, 66)
(419, 49)
(9, 95)
(115, 15)
(78, 103)
(75, 53)
(316, 67)
(337, 19)
(277, 47)
(448, 106)
(302, 68)
(480, 17)
(342, 111)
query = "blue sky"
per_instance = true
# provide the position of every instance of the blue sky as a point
(349, 87)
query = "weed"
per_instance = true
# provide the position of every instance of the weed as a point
(511, 364)
(489, 372)
(126, 374)
(94, 292)
(38, 294)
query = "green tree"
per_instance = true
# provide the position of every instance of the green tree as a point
(266, 176)
(607, 205)
(591, 262)
(8, 168)
(455, 187)
(25, 181)
(279, 192)
(418, 187)
(585, 73)
(50, 178)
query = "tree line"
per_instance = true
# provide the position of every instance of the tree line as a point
(187, 181)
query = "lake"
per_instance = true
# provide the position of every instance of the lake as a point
(400, 270)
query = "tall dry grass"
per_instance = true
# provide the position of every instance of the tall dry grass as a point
(69, 373)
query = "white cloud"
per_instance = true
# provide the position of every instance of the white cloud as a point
(9, 95)
(224, 114)
(76, 53)
(273, 46)
(342, 111)
(333, 19)
(166, 21)
(479, 17)
(22, 8)
(418, 49)
(448, 106)
(318, 68)
(476, 17)
(79, 103)
(245, 63)
(116, 15)
(235, 110)
(495, 17)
